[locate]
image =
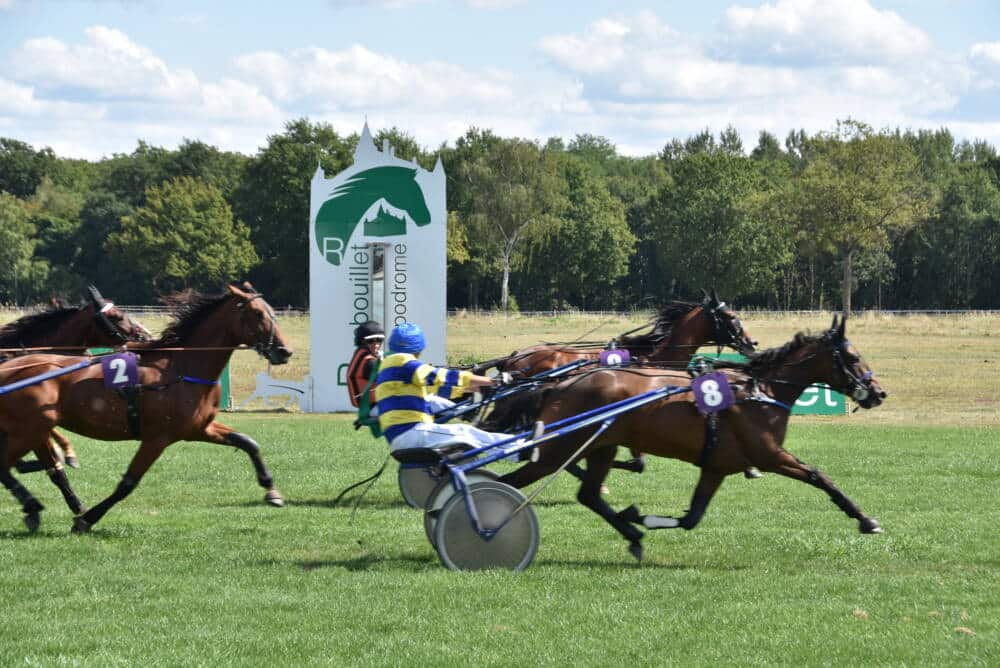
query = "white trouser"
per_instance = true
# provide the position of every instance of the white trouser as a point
(436, 435)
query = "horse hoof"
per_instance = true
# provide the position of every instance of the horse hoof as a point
(72, 463)
(32, 520)
(274, 498)
(80, 525)
(635, 548)
(752, 473)
(869, 525)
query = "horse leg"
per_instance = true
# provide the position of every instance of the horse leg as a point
(708, 484)
(790, 466)
(67, 449)
(148, 453)
(637, 464)
(221, 434)
(31, 506)
(598, 465)
(58, 477)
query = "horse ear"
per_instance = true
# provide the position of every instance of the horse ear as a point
(833, 325)
(715, 296)
(842, 330)
(249, 288)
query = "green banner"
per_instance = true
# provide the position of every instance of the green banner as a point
(818, 399)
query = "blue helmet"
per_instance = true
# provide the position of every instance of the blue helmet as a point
(407, 338)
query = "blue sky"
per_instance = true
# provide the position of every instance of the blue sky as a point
(92, 78)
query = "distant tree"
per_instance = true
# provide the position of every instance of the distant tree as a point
(859, 189)
(184, 236)
(273, 200)
(22, 168)
(100, 217)
(578, 258)
(595, 151)
(22, 275)
(516, 185)
(55, 214)
(705, 233)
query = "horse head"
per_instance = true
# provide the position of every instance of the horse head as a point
(850, 375)
(257, 325)
(112, 323)
(353, 202)
(727, 330)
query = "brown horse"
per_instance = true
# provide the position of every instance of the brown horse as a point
(69, 330)
(177, 398)
(680, 328)
(750, 433)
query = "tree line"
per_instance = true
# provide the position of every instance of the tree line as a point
(850, 217)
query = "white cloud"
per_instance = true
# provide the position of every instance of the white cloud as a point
(845, 31)
(986, 51)
(360, 79)
(109, 64)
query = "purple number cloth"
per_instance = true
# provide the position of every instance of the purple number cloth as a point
(120, 370)
(615, 357)
(712, 393)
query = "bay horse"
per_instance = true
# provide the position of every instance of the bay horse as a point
(69, 330)
(679, 329)
(750, 433)
(177, 397)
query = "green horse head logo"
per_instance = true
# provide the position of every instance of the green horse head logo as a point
(350, 202)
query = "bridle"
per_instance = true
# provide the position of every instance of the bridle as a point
(263, 349)
(723, 334)
(104, 323)
(858, 387)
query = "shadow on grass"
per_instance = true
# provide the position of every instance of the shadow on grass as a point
(366, 562)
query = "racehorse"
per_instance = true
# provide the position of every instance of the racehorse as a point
(679, 329)
(69, 330)
(750, 433)
(176, 398)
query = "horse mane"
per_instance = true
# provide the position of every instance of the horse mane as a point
(188, 309)
(768, 360)
(29, 327)
(668, 316)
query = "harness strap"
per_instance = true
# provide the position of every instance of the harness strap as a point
(133, 409)
(198, 381)
(711, 439)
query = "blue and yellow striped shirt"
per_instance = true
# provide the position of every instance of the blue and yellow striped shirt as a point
(403, 385)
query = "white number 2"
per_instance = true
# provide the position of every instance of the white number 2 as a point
(121, 377)
(710, 393)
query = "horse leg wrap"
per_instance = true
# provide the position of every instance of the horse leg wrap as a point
(30, 466)
(249, 446)
(59, 479)
(29, 504)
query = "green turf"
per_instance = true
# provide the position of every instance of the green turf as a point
(193, 569)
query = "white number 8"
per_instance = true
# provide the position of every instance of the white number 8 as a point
(710, 393)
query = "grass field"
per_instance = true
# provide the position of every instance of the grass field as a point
(193, 569)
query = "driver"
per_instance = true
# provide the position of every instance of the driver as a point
(406, 389)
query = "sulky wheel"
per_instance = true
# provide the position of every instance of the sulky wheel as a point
(417, 482)
(444, 491)
(513, 547)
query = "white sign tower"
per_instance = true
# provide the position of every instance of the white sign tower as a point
(377, 238)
